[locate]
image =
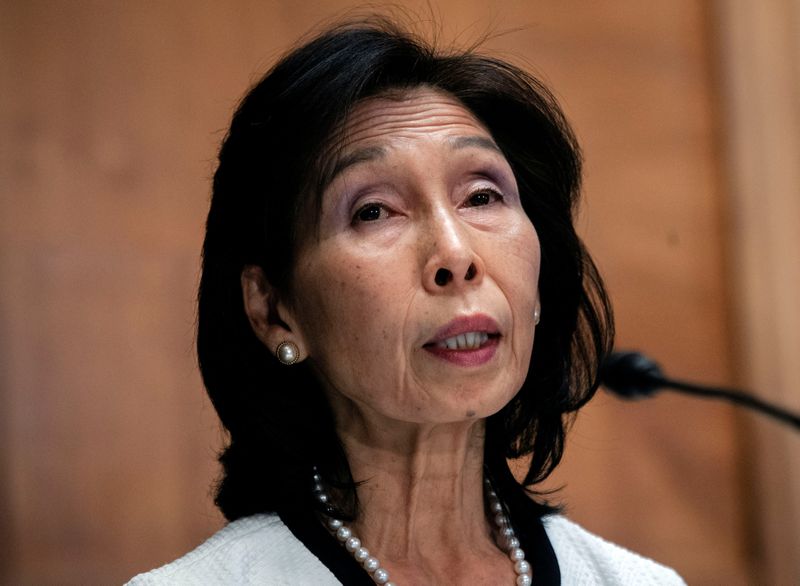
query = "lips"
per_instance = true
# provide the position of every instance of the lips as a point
(466, 341)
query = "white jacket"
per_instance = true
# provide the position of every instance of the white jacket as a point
(261, 550)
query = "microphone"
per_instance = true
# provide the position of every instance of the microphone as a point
(632, 375)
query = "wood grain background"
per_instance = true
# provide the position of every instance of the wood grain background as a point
(111, 114)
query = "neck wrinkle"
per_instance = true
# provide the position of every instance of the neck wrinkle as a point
(421, 499)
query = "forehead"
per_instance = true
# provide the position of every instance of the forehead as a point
(422, 112)
(393, 119)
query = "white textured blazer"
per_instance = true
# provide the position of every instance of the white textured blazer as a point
(261, 550)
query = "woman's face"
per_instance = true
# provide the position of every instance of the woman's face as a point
(415, 302)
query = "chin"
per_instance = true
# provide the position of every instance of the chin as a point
(478, 409)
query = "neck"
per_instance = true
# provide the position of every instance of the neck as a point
(422, 511)
(422, 489)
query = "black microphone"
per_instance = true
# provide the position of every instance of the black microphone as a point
(633, 375)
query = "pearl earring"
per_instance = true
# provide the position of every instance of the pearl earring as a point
(537, 314)
(287, 352)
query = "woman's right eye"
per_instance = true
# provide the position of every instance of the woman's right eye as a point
(369, 213)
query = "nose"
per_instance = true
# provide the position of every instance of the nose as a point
(444, 276)
(452, 263)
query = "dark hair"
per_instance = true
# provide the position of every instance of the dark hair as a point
(271, 166)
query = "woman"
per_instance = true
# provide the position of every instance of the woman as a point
(390, 227)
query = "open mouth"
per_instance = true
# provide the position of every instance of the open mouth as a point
(465, 341)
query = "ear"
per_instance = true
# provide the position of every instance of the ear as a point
(271, 321)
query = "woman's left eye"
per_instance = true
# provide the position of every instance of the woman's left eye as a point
(483, 197)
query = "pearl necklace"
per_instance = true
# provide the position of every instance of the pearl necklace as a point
(380, 576)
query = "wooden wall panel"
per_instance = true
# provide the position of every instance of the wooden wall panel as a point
(109, 439)
(116, 112)
(760, 53)
(664, 473)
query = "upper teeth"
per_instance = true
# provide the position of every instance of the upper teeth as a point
(469, 340)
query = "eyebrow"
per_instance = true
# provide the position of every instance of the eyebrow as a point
(465, 142)
(376, 152)
(358, 156)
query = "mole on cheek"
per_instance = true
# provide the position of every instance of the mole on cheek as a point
(470, 413)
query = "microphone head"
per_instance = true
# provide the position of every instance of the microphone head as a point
(631, 375)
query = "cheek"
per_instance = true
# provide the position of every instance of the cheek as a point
(520, 262)
(521, 273)
(344, 312)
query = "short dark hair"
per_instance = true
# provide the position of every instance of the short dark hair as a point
(271, 166)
